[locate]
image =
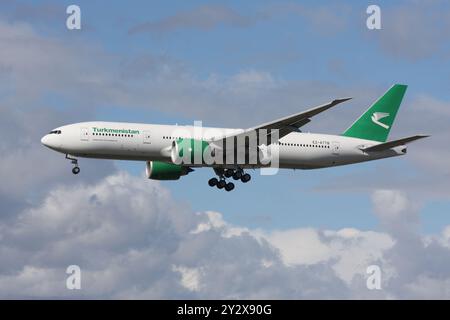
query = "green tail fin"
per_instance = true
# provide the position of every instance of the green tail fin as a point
(376, 123)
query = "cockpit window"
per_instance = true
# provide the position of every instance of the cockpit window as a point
(55, 132)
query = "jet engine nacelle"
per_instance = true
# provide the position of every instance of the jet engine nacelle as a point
(158, 170)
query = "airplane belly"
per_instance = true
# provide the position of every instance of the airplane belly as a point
(306, 159)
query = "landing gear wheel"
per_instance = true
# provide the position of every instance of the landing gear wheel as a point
(76, 170)
(229, 186)
(221, 184)
(237, 175)
(213, 182)
(246, 178)
(74, 161)
(228, 173)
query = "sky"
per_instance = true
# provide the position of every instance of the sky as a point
(297, 234)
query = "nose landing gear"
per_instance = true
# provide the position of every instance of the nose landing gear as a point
(221, 183)
(76, 169)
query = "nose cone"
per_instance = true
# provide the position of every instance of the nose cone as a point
(52, 141)
(45, 141)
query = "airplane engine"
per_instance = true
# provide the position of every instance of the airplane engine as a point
(158, 170)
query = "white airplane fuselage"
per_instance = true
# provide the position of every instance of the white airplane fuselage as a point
(151, 142)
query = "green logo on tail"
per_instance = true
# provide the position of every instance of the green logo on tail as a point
(377, 116)
(376, 123)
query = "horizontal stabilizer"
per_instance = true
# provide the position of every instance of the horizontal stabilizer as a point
(394, 143)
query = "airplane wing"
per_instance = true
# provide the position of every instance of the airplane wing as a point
(290, 123)
(394, 143)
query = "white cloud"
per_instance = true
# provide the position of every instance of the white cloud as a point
(190, 277)
(350, 250)
(132, 240)
(307, 248)
(446, 235)
(391, 205)
(215, 222)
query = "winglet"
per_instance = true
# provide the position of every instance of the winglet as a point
(337, 101)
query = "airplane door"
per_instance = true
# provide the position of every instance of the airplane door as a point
(146, 138)
(336, 148)
(84, 134)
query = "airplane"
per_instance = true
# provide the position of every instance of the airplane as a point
(161, 146)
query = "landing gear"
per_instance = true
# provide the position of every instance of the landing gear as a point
(74, 161)
(213, 182)
(237, 174)
(221, 184)
(228, 173)
(223, 174)
(229, 186)
(246, 178)
(76, 170)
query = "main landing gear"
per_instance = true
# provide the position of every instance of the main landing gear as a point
(74, 161)
(221, 183)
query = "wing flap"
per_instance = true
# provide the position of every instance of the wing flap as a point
(298, 119)
(290, 123)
